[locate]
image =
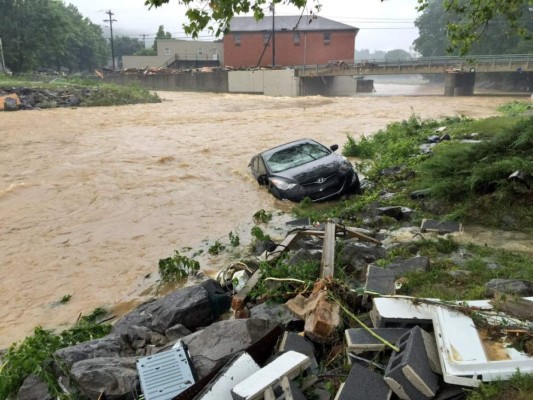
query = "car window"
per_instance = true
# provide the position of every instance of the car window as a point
(299, 154)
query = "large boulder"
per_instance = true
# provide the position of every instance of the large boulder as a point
(10, 104)
(275, 312)
(213, 346)
(115, 377)
(108, 346)
(509, 286)
(358, 255)
(192, 307)
(414, 264)
(34, 388)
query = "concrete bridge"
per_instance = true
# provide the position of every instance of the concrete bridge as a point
(459, 71)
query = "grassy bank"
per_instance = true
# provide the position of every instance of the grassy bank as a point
(92, 91)
(464, 179)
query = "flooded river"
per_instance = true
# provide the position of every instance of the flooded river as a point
(92, 198)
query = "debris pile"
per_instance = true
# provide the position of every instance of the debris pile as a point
(332, 340)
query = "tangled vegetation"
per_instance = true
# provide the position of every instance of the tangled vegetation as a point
(34, 354)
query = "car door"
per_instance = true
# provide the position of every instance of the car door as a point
(259, 170)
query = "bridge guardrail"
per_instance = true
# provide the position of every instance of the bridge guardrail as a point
(494, 63)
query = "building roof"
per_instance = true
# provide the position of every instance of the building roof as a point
(288, 23)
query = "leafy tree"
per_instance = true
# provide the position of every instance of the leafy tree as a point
(161, 34)
(46, 33)
(397, 54)
(498, 38)
(468, 20)
(126, 46)
(146, 52)
(432, 40)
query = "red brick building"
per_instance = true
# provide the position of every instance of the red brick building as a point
(305, 40)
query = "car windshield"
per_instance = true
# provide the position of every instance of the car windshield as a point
(299, 154)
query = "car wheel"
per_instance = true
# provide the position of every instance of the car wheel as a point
(275, 191)
(355, 188)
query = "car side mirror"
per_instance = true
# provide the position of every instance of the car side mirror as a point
(334, 147)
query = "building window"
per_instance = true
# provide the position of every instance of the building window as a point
(237, 39)
(167, 51)
(266, 38)
(327, 37)
(296, 38)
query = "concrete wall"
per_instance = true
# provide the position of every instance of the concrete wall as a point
(192, 81)
(267, 82)
(142, 61)
(343, 86)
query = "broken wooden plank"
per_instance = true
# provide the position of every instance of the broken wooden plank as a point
(239, 299)
(280, 248)
(353, 233)
(517, 307)
(328, 251)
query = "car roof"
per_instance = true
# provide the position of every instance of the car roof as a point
(289, 145)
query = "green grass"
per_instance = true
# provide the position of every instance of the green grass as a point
(476, 177)
(109, 95)
(516, 107)
(518, 387)
(467, 181)
(474, 271)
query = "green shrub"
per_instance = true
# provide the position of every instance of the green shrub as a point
(216, 248)
(515, 108)
(258, 234)
(177, 267)
(234, 239)
(33, 354)
(262, 216)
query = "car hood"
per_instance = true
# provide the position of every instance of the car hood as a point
(310, 172)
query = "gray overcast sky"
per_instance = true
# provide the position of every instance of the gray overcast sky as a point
(383, 25)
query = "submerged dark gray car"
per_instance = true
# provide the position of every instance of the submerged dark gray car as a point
(304, 168)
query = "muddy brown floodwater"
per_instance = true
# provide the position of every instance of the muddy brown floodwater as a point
(92, 198)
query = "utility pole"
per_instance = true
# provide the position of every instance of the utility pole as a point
(111, 20)
(272, 6)
(143, 35)
(2, 62)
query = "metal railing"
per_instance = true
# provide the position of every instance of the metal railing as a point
(485, 63)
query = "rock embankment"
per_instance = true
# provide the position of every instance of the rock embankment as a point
(308, 323)
(27, 98)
